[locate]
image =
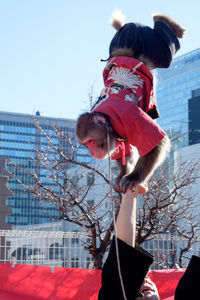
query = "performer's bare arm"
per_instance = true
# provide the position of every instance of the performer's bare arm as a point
(126, 220)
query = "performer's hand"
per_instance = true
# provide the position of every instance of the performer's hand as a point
(141, 188)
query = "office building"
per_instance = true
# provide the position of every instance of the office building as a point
(19, 142)
(193, 113)
(4, 194)
(174, 89)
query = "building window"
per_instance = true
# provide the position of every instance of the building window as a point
(75, 240)
(74, 263)
(56, 251)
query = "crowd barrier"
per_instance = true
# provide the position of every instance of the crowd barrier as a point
(25, 282)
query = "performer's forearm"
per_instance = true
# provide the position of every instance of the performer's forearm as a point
(126, 220)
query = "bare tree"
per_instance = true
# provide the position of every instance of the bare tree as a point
(170, 207)
(68, 184)
(190, 239)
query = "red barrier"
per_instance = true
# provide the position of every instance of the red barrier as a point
(40, 283)
(24, 282)
(166, 282)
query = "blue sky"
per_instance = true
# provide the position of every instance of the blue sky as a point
(50, 50)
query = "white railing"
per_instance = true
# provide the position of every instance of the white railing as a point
(50, 248)
(166, 250)
(67, 249)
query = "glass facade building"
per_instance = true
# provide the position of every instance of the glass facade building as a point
(19, 141)
(174, 89)
(194, 124)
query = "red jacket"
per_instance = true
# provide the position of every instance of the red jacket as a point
(126, 100)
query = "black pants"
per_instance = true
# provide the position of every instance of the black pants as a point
(134, 264)
(188, 286)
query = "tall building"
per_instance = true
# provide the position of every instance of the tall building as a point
(19, 141)
(4, 194)
(194, 124)
(174, 89)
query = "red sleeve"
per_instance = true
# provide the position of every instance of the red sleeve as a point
(142, 131)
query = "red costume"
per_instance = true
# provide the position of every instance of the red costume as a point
(127, 99)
